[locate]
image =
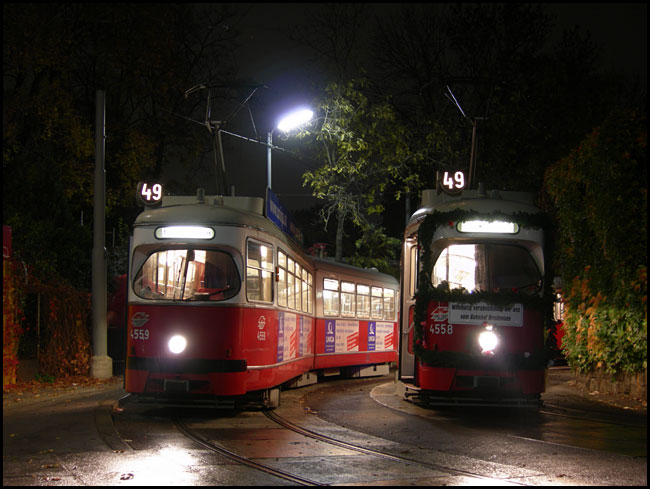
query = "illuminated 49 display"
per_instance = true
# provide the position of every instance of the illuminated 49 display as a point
(452, 183)
(149, 193)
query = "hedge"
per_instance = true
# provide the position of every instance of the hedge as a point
(599, 196)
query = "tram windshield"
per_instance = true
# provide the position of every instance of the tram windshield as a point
(486, 267)
(188, 275)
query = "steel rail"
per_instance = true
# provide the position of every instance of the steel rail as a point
(273, 416)
(586, 412)
(187, 431)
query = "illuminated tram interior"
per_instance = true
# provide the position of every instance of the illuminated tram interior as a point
(486, 267)
(188, 275)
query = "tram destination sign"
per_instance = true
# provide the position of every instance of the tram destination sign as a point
(281, 217)
(481, 312)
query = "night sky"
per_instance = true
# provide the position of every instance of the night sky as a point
(269, 57)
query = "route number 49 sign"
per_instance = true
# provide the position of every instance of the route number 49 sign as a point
(452, 183)
(149, 193)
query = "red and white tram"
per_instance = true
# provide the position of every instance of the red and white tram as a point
(224, 305)
(475, 301)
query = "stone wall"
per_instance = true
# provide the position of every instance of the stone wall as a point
(633, 386)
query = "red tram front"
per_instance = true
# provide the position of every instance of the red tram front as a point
(473, 300)
(223, 304)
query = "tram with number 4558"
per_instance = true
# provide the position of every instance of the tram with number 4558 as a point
(476, 302)
(224, 306)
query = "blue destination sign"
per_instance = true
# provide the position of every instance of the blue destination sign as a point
(281, 217)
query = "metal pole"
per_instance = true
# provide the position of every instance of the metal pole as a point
(101, 365)
(224, 183)
(269, 142)
(38, 330)
(471, 156)
(217, 172)
(220, 164)
(407, 209)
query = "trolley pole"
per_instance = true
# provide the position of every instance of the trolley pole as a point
(269, 144)
(101, 365)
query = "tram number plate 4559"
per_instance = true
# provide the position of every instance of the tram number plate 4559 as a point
(442, 328)
(139, 334)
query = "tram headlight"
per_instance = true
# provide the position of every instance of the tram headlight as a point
(177, 344)
(488, 340)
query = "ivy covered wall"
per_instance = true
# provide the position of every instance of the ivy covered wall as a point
(600, 200)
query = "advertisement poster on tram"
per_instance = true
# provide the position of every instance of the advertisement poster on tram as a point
(341, 336)
(384, 337)
(288, 338)
(307, 334)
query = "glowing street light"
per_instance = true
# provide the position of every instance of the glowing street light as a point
(289, 122)
(295, 119)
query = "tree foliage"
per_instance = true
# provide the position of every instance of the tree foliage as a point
(599, 194)
(55, 58)
(12, 316)
(534, 99)
(364, 151)
(144, 57)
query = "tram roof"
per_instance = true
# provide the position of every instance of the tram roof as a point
(234, 211)
(210, 210)
(506, 202)
(370, 273)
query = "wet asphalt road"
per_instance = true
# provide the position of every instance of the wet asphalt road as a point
(582, 443)
(77, 439)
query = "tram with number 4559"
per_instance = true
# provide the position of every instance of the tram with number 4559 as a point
(224, 306)
(476, 302)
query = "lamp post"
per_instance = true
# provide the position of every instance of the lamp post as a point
(289, 122)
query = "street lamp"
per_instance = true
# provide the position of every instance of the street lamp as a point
(289, 122)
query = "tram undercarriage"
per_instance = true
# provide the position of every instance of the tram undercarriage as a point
(487, 398)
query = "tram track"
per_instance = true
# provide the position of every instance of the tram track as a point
(582, 415)
(367, 451)
(291, 444)
(401, 461)
(214, 447)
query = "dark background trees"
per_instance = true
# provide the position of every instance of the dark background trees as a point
(533, 97)
(55, 58)
(541, 108)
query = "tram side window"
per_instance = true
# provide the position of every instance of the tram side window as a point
(347, 300)
(295, 284)
(389, 304)
(305, 291)
(310, 291)
(363, 301)
(291, 279)
(413, 271)
(259, 272)
(282, 279)
(376, 303)
(282, 287)
(298, 283)
(331, 297)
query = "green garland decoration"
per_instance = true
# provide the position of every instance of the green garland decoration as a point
(426, 293)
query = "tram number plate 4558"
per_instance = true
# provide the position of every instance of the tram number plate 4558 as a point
(139, 334)
(442, 328)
